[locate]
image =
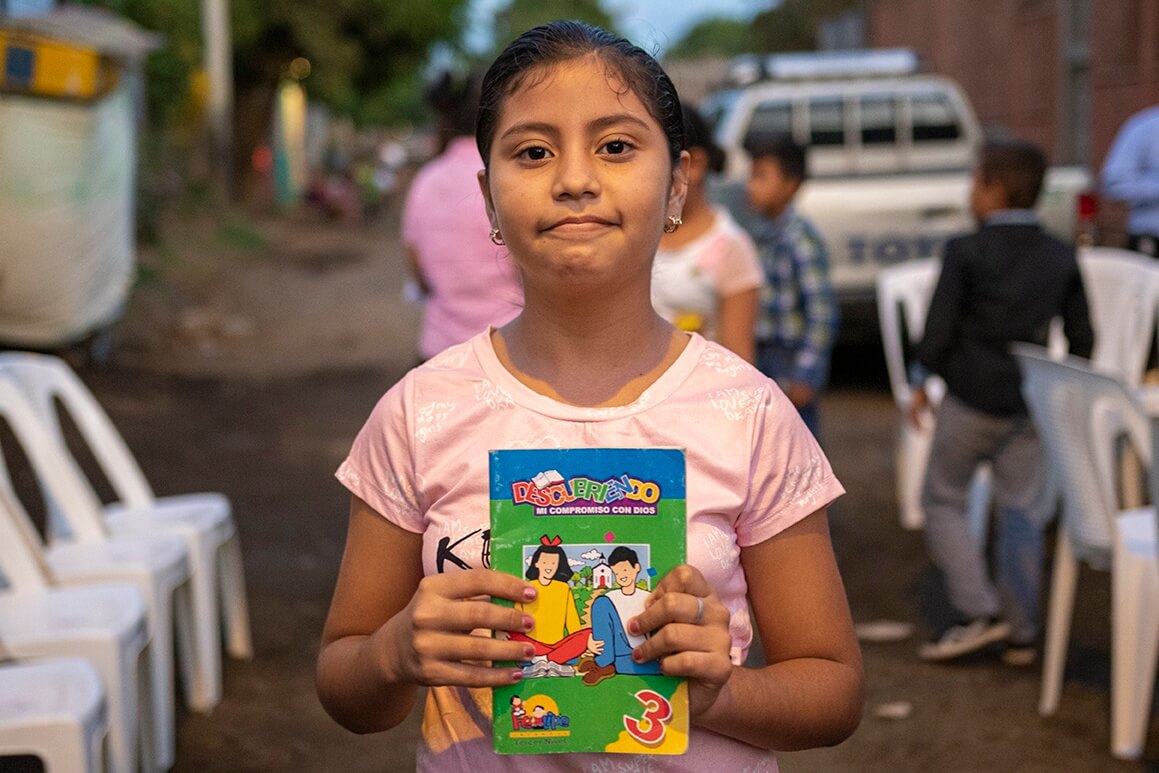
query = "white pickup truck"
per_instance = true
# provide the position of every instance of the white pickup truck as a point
(890, 152)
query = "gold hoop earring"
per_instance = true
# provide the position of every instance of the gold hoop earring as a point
(496, 238)
(672, 224)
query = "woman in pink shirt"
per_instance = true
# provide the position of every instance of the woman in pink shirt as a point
(585, 167)
(467, 282)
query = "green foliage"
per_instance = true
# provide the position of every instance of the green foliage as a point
(169, 70)
(791, 26)
(522, 15)
(713, 37)
(363, 53)
(360, 51)
(785, 28)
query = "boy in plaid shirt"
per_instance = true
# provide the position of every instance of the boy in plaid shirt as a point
(799, 315)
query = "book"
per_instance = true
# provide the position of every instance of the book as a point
(594, 529)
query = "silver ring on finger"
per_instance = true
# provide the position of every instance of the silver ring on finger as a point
(699, 611)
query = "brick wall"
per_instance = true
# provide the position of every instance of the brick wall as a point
(1011, 57)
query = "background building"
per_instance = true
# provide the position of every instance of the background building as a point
(1055, 72)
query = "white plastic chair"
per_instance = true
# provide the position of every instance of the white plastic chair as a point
(903, 297)
(1081, 415)
(54, 709)
(106, 624)
(156, 563)
(203, 520)
(1123, 293)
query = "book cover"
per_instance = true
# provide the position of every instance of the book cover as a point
(594, 529)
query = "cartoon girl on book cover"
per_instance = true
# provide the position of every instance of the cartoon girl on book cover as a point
(558, 635)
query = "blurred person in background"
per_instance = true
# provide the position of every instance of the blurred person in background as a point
(1003, 283)
(461, 271)
(706, 277)
(1131, 174)
(799, 314)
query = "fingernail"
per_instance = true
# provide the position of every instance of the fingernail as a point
(528, 652)
(517, 675)
(529, 593)
(636, 656)
(633, 627)
(528, 622)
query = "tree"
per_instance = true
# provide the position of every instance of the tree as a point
(366, 56)
(522, 15)
(793, 25)
(713, 37)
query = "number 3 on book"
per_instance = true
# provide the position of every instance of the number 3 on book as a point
(650, 728)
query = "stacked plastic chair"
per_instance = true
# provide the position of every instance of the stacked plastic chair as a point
(155, 562)
(53, 709)
(203, 520)
(1081, 416)
(105, 624)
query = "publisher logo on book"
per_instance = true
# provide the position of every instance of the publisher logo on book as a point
(550, 494)
(538, 716)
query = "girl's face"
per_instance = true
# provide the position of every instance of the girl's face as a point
(579, 180)
(547, 564)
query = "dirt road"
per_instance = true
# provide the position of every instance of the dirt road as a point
(248, 369)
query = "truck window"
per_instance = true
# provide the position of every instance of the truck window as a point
(878, 120)
(826, 121)
(933, 118)
(770, 119)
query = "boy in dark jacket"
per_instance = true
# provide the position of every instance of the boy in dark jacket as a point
(1001, 284)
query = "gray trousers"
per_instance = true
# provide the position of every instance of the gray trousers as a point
(964, 437)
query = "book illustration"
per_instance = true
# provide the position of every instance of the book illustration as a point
(581, 614)
(593, 529)
(610, 613)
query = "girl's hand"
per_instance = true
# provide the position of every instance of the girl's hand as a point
(688, 630)
(432, 640)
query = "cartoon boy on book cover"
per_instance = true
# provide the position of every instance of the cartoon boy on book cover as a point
(610, 613)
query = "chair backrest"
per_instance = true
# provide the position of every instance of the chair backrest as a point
(1080, 414)
(1123, 292)
(58, 475)
(45, 380)
(22, 565)
(903, 297)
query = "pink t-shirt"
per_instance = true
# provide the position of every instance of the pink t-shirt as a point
(753, 469)
(473, 283)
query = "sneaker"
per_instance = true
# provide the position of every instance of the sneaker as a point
(1019, 654)
(964, 639)
(559, 669)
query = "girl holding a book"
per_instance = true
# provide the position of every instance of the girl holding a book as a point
(581, 138)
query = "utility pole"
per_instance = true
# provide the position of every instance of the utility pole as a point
(219, 107)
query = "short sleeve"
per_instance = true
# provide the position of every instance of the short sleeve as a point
(380, 466)
(739, 268)
(790, 475)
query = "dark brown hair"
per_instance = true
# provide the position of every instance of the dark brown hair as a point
(562, 41)
(784, 150)
(1017, 166)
